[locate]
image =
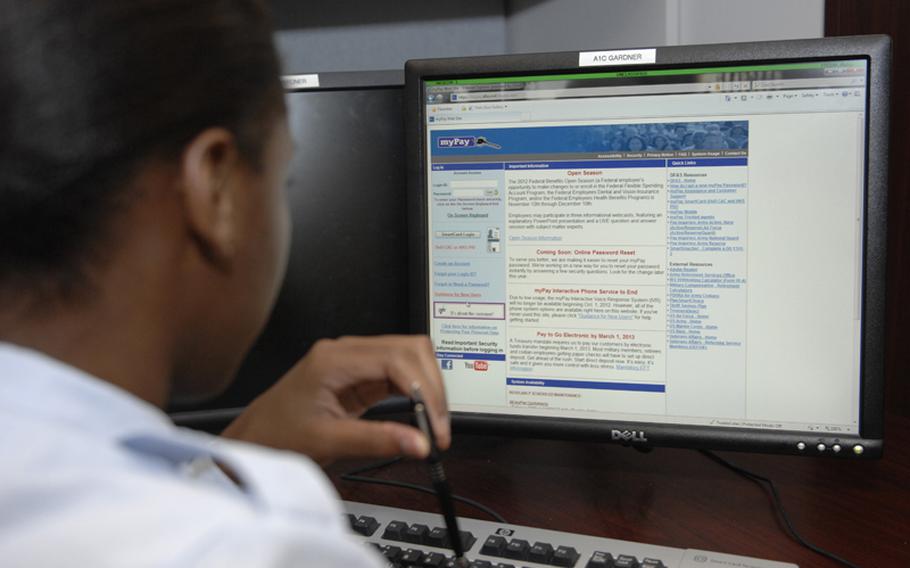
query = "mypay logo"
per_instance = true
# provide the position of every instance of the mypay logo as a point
(628, 435)
(456, 141)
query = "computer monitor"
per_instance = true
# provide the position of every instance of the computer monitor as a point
(347, 270)
(680, 246)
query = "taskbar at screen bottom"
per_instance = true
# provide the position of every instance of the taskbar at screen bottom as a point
(649, 435)
(542, 410)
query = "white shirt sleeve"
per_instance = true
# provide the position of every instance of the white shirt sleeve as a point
(277, 544)
(304, 525)
(117, 509)
(93, 476)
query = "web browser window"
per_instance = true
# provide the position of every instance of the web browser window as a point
(678, 246)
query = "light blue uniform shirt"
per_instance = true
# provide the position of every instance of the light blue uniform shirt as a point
(93, 476)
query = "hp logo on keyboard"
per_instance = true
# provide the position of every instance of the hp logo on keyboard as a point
(628, 435)
(505, 532)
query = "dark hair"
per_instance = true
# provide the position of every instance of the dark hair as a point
(92, 89)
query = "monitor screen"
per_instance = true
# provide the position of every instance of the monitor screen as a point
(347, 269)
(681, 253)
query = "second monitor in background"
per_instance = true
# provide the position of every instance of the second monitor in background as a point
(347, 270)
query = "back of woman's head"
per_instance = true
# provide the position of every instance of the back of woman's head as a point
(90, 90)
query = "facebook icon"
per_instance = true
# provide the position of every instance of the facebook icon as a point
(446, 364)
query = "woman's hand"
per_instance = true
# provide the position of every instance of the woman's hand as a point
(315, 408)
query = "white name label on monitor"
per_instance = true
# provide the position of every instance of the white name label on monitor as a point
(618, 57)
(309, 81)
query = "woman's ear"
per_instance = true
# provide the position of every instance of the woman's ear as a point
(206, 167)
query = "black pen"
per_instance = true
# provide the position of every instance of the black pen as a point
(438, 477)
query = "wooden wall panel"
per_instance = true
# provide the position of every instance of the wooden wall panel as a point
(892, 17)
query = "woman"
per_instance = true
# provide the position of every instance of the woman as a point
(635, 144)
(143, 236)
(660, 143)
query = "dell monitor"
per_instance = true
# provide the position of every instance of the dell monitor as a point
(680, 246)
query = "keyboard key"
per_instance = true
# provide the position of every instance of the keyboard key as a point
(493, 546)
(625, 561)
(391, 552)
(517, 549)
(481, 564)
(501, 565)
(416, 534)
(351, 520)
(433, 560)
(410, 556)
(467, 540)
(541, 552)
(600, 560)
(365, 526)
(394, 531)
(565, 556)
(438, 537)
(652, 563)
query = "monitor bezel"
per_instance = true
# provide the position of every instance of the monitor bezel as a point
(876, 49)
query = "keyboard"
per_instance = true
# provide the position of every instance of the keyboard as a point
(411, 538)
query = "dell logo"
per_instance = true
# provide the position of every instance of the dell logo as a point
(628, 435)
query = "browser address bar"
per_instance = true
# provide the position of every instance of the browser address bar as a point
(601, 91)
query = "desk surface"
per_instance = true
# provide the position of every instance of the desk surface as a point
(857, 509)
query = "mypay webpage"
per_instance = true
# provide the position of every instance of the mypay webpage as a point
(677, 246)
